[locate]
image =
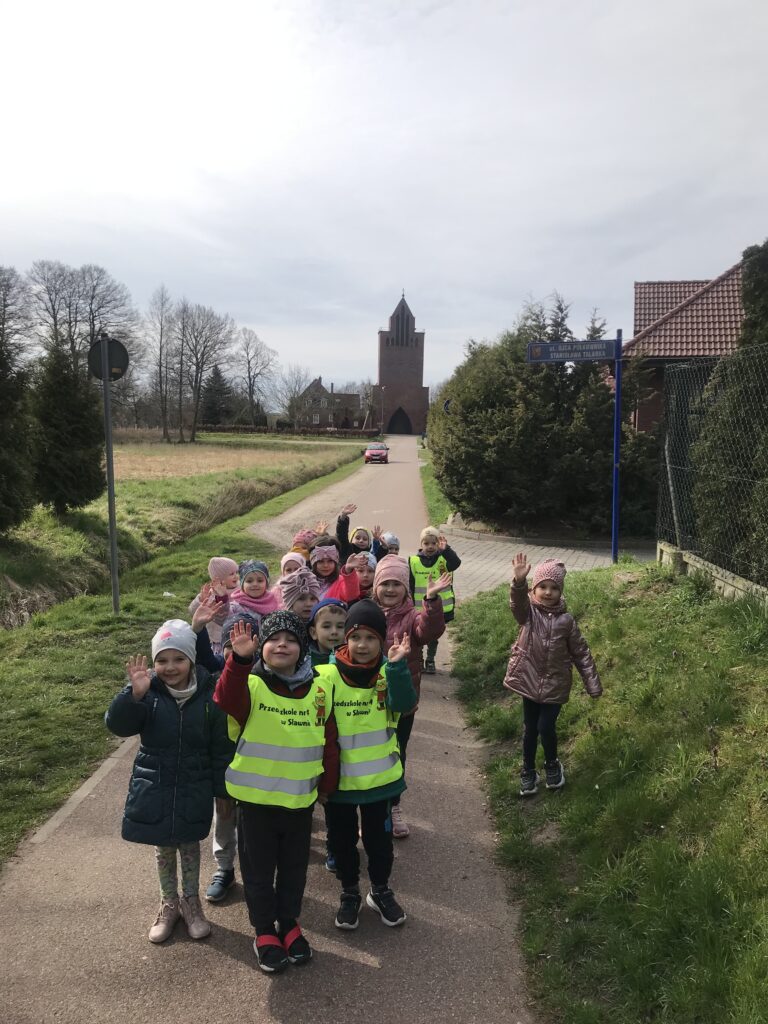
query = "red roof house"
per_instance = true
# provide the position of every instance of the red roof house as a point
(677, 321)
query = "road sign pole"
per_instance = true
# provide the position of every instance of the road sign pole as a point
(107, 389)
(616, 447)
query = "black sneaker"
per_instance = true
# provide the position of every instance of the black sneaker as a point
(220, 883)
(382, 900)
(349, 908)
(297, 949)
(555, 775)
(429, 667)
(271, 954)
(529, 782)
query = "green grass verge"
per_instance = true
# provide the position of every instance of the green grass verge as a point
(48, 559)
(64, 666)
(437, 504)
(644, 883)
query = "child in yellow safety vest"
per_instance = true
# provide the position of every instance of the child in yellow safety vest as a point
(286, 745)
(369, 694)
(435, 556)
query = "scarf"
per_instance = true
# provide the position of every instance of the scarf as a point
(268, 602)
(301, 677)
(355, 674)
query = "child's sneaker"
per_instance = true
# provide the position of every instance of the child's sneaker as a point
(197, 923)
(382, 900)
(220, 883)
(400, 828)
(429, 667)
(297, 949)
(349, 908)
(555, 775)
(271, 954)
(529, 782)
(165, 921)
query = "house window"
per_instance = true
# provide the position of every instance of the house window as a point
(323, 402)
(315, 417)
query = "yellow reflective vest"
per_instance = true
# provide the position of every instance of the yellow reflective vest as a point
(421, 576)
(369, 754)
(279, 756)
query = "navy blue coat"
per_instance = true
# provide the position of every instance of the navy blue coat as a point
(180, 765)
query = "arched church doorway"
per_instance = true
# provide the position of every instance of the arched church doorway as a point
(400, 422)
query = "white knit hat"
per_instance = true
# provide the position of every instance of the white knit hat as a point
(175, 635)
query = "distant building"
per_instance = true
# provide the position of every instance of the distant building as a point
(319, 407)
(681, 321)
(400, 400)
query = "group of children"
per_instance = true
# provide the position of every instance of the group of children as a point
(280, 697)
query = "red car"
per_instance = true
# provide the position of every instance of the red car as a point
(376, 453)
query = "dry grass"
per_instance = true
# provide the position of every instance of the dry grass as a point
(150, 462)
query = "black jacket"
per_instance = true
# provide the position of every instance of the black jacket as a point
(180, 765)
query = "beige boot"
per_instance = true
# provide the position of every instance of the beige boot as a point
(197, 923)
(165, 921)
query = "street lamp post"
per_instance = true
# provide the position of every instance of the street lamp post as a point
(382, 389)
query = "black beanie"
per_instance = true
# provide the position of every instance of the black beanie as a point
(368, 614)
(281, 620)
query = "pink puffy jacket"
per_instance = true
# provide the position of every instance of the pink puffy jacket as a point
(421, 626)
(548, 646)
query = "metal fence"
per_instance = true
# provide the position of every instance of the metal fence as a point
(713, 493)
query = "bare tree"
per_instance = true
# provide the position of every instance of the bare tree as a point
(159, 325)
(291, 385)
(181, 318)
(207, 339)
(15, 312)
(260, 363)
(50, 285)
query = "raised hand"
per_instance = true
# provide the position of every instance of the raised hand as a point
(243, 643)
(442, 542)
(400, 649)
(347, 510)
(357, 561)
(139, 675)
(520, 566)
(321, 526)
(377, 532)
(205, 612)
(442, 583)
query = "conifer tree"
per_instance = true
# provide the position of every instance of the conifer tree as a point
(216, 399)
(69, 468)
(16, 475)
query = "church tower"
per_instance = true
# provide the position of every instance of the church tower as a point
(401, 399)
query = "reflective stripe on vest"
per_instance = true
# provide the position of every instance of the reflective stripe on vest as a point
(279, 755)
(369, 753)
(421, 576)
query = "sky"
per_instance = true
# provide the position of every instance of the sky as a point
(298, 164)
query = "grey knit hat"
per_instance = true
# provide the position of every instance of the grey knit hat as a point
(175, 635)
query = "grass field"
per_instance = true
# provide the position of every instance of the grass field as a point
(644, 883)
(437, 504)
(164, 495)
(64, 666)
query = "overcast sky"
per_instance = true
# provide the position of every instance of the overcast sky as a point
(297, 164)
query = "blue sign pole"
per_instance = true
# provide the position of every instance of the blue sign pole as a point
(616, 447)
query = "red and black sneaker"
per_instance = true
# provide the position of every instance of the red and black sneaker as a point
(297, 949)
(271, 953)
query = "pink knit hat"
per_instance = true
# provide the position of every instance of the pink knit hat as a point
(304, 538)
(392, 567)
(220, 567)
(292, 556)
(296, 584)
(550, 569)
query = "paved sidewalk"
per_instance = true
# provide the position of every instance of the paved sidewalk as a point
(77, 901)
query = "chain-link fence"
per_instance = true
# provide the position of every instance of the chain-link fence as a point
(713, 493)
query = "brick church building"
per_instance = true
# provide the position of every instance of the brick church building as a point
(400, 400)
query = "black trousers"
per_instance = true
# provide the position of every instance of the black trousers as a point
(404, 726)
(344, 832)
(539, 721)
(273, 843)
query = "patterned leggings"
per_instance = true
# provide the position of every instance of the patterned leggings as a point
(167, 870)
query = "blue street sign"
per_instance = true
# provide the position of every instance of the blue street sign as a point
(570, 351)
